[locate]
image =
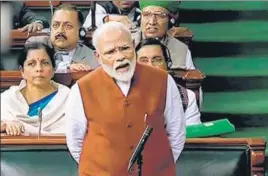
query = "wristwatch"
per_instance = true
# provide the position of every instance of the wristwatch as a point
(38, 21)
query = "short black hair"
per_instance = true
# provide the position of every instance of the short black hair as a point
(71, 7)
(153, 41)
(34, 46)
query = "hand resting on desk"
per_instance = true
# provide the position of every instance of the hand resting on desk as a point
(12, 128)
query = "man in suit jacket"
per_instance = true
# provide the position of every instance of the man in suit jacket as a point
(25, 19)
(64, 38)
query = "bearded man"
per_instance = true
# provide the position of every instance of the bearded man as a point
(109, 108)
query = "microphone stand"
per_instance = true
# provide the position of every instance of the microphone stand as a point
(40, 116)
(137, 154)
(90, 30)
(139, 163)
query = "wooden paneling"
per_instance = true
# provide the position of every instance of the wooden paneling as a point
(19, 38)
(41, 3)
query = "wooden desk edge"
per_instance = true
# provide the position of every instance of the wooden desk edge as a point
(18, 140)
(33, 140)
(217, 140)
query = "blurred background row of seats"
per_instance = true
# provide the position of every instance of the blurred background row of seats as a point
(230, 47)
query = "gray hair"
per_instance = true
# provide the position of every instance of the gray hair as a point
(112, 25)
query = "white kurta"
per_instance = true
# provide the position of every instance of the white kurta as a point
(192, 113)
(15, 107)
(174, 119)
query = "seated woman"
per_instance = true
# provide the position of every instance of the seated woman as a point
(37, 103)
(152, 52)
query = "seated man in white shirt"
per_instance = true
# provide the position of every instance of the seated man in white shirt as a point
(152, 52)
(109, 108)
(64, 38)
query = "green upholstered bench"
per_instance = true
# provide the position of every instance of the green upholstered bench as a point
(222, 157)
(49, 156)
(27, 156)
(240, 102)
(243, 66)
(225, 5)
(251, 132)
(259, 132)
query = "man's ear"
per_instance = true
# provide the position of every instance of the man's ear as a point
(97, 56)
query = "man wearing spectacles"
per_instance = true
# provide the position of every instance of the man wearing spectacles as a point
(71, 55)
(153, 53)
(156, 19)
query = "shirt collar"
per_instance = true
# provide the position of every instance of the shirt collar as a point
(65, 53)
(71, 53)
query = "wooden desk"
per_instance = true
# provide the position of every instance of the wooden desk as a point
(40, 4)
(11, 78)
(181, 33)
(19, 38)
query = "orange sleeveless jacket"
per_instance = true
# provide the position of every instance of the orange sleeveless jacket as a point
(116, 123)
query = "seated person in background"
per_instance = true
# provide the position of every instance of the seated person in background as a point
(156, 20)
(25, 19)
(152, 52)
(64, 38)
(21, 104)
(122, 11)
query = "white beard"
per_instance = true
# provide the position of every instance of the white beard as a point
(124, 77)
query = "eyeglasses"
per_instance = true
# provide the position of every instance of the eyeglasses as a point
(155, 61)
(158, 15)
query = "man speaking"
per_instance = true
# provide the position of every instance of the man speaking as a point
(109, 108)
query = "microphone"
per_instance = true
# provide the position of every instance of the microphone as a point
(139, 148)
(40, 115)
(51, 8)
(93, 15)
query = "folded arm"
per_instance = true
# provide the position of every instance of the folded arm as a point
(174, 119)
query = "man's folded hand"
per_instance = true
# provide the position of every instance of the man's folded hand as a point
(76, 67)
(32, 27)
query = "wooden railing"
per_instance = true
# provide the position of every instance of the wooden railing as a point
(42, 4)
(191, 79)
